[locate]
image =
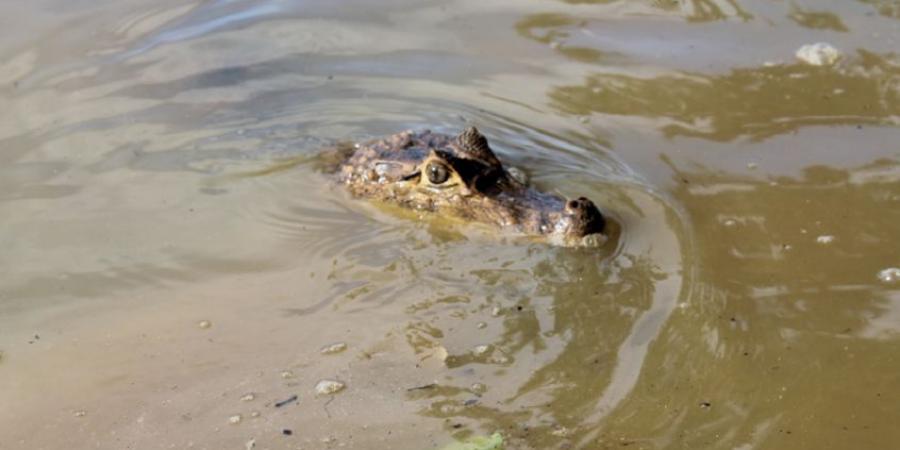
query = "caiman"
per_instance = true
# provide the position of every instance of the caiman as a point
(460, 176)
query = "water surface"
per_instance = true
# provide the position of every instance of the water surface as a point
(157, 172)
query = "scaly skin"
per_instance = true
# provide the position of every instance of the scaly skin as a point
(460, 176)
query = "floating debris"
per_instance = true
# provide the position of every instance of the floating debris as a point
(80, 413)
(478, 388)
(235, 419)
(889, 275)
(480, 350)
(481, 325)
(290, 399)
(500, 360)
(248, 398)
(328, 387)
(204, 324)
(492, 442)
(825, 239)
(818, 54)
(250, 444)
(422, 387)
(331, 349)
(254, 414)
(287, 374)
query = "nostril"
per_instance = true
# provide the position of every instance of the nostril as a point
(573, 204)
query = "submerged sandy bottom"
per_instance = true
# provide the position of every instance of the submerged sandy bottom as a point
(150, 375)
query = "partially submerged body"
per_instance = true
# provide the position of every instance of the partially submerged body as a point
(459, 176)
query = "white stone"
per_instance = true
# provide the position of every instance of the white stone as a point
(328, 387)
(890, 275)
(818, 54)
(337, 347)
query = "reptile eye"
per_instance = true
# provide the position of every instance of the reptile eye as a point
(437, 173)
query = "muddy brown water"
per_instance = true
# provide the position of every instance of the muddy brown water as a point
(171, 262)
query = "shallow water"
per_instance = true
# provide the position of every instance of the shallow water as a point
(157, 171)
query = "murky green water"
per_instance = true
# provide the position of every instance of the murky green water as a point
(747, 304)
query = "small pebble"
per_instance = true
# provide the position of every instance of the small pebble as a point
(889, 275)
(234, 420)
(337, 347)
(481, 325)
(327, 387)
(495, 311)
(250, 444)
(248, 398)
(287, 432)
(441, 353)
(80, 413)
(478, 388)
(825, 239)
(287, 374)
(204, 324)
(818, 54)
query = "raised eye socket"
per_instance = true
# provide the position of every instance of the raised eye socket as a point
(437, 173)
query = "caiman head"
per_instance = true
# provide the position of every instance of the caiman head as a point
(460, 176)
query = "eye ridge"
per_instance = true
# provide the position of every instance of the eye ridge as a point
(437, 173)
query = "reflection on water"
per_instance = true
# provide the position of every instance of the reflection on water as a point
(705, 10)
(803, 319)
(159, 170)
(818, 20)
(886, 8)
(692, 10)
(756, 103)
